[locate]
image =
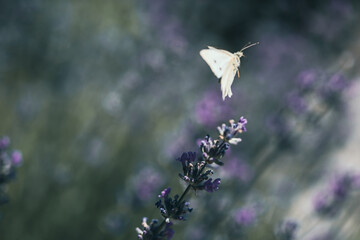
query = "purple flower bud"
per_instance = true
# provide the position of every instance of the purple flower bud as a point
(16, 158)
(187, 157)
(4, 142)
(165, 193)
(243, 121)
(212, 186)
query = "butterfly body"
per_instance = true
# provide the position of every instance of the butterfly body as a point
(224, 65)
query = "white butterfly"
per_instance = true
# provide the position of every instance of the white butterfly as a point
(224, 65)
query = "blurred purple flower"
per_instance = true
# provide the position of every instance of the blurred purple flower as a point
(16, 158)
(336, 83)
(341, 185)
(329, 201)
(246, 216)
(147, 182)
(296, 102)
(4, 142)
(210, 109)
(307, 78)
(239, 169)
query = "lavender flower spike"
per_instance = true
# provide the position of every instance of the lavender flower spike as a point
(227, 133)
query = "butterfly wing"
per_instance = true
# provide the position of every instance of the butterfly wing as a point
(227, 80)
(217, 60)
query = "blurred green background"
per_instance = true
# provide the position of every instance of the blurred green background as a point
(94, 92)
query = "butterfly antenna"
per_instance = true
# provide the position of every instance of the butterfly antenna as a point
(249, 45)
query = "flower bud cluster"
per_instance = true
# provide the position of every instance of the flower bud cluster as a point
(150, 232)
(172, 208)
(213, 151)
(193, 173)
(227, 133)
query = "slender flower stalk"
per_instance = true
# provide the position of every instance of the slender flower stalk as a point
(197, 178)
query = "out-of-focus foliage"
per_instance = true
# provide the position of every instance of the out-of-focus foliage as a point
(103, 96)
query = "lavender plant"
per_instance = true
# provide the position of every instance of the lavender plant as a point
(197, 178)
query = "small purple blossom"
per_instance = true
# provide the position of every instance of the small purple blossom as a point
(211, 186)
(307, 78)
(246, 216)
(16, 158)
(4, 142)
(296, 102)
(243, 121)
(165, 193)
